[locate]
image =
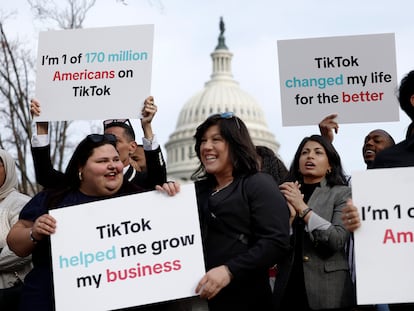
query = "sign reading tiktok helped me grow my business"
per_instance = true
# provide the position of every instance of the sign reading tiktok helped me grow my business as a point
(127, 251)
(354, 76)
(92, 74)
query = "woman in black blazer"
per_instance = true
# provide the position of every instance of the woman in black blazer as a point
(244, 217)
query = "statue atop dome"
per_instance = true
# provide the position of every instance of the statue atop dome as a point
(222, 27)
(221, 39)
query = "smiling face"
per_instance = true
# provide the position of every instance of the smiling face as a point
(102, 173)
(214, 154)
(313, 162)
(374, 142)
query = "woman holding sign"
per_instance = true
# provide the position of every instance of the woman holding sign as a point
(94, 173)
(316, 276)
(244, 217)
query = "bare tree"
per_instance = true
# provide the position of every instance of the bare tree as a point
(17, 74)
(16, 70)
(70, 16)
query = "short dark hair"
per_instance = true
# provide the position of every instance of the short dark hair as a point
(405, 91)
(124, 123)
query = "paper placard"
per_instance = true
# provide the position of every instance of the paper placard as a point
(354, 76)
(127, 251)
(384, 249)
(93, 74)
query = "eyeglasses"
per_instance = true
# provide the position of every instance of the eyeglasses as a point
(97, 138)
(230, 115)
(108, 122)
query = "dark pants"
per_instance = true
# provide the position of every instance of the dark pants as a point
(10, 298)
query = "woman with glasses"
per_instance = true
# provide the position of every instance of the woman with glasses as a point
(94, 172)
(13, 269)
(244, 217)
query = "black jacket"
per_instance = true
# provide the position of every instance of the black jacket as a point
(245, 226)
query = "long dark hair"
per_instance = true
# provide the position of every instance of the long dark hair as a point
(335, 177)
(241, 148)
(79, 158)
(271, 164)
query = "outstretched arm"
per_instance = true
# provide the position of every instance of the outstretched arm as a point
(156, 167)
(46, 175)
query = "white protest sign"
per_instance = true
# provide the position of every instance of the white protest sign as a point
(96, 73)
(127, 251)
(384, 251)
(354, 76)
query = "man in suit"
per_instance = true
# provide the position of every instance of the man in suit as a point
(156, 173)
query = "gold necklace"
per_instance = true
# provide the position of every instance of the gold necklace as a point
(221, 188)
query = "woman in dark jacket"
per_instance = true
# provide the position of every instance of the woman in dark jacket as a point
(244, 217)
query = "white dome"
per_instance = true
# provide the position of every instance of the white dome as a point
(222, 93)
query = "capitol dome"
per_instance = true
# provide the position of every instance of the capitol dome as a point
(221, 94)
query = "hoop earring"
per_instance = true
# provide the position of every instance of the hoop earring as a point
(80, 176)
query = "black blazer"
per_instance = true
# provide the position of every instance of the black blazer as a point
(48, 177)
(245, 226)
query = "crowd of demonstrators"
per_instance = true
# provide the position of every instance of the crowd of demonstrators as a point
(316, 274)
(13, 269)
(156, 173)
(254, 213)
(244, 217)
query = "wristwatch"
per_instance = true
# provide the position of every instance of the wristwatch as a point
(305, 212)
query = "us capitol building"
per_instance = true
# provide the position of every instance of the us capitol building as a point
(221, 94)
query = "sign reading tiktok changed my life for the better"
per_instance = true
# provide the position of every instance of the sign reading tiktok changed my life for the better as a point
(353, 76)
(127, 251)
(384, 244)
(96, 73)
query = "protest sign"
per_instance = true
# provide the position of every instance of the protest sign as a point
(384, 249)
(354, 76)
(127, 251)
(96, 73)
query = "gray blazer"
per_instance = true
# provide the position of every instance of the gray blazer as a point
(328, 281)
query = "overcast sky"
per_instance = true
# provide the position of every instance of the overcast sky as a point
(186, 33)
